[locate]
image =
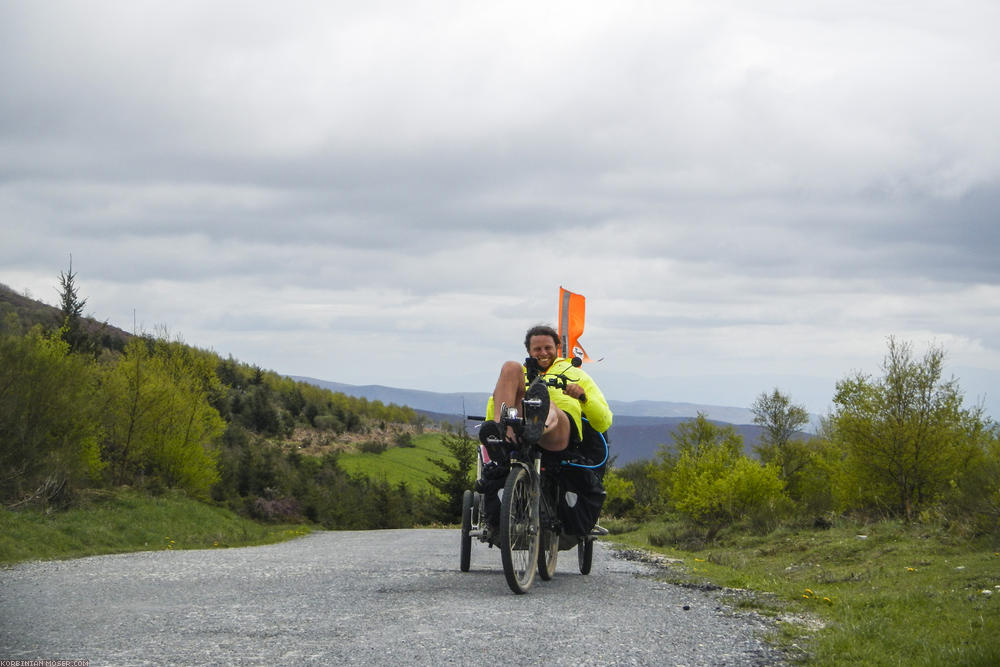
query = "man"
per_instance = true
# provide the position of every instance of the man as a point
(553, 417)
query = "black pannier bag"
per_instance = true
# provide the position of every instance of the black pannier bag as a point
(582, 481)
(581, 501)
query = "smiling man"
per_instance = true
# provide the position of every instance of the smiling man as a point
(560, 423)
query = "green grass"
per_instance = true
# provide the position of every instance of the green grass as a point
(400, 464)
(124, 521)
(899, 595)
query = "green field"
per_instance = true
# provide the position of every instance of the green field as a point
(411, 465)
(885, 593)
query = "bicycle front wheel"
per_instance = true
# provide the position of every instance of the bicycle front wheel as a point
(519, 530)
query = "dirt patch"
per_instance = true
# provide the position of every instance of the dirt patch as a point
(314, 442)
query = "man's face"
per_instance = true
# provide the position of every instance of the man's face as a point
(543, 350)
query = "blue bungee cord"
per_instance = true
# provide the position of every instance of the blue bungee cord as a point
(606, 452)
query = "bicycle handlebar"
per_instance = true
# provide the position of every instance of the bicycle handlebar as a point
(534, 370)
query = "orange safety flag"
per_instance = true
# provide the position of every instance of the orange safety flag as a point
(571, 312)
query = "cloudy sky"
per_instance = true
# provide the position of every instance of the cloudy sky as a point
(391, 192)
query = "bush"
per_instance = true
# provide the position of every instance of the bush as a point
(621, 494)
(373, 447)
(158, 420)
(677, 535)
(280, 510)
(48, 419)
(713, 489)
(812, 487)
(973, 500)
(328, 423)
(616, 526)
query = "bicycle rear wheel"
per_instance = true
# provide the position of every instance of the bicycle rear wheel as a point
(548, 540)
(467, 503)
(519, 530)
(585, 554)
(548, 553)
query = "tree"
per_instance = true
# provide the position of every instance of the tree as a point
(71, 306)
(781, 419)
(457, 473)
(699, 433)
(905, 435)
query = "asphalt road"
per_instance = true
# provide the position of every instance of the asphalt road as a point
(374, 597)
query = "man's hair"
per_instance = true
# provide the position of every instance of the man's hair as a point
(540, 330)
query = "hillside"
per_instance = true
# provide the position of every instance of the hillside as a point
(93, 409)
(30, 312)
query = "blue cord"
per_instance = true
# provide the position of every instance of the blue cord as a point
(606, 452)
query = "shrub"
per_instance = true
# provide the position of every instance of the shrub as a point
(328, 423)
(621, 494)
(973, 499)
(48, 422)
(158, 421)
(373, 447)
(275, 509)
(712, 488)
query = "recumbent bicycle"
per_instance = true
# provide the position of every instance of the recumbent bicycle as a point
(548, 501)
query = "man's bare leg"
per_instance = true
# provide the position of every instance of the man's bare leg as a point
(509, 389)
(556, 435)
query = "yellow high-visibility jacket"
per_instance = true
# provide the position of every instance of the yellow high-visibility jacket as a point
(595, 409)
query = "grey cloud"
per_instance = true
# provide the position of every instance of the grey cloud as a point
(698, 171)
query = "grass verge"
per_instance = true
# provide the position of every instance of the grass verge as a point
(878, 594)
(123, 521)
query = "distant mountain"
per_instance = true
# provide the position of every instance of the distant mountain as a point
(637, 438)
(722, 413)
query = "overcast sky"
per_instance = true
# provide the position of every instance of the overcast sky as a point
(392, 192)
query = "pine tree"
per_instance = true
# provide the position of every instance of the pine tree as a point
(457, 473)
(72, 310)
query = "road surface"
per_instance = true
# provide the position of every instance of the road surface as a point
(369, 598)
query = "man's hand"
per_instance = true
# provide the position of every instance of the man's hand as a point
(574, 390)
